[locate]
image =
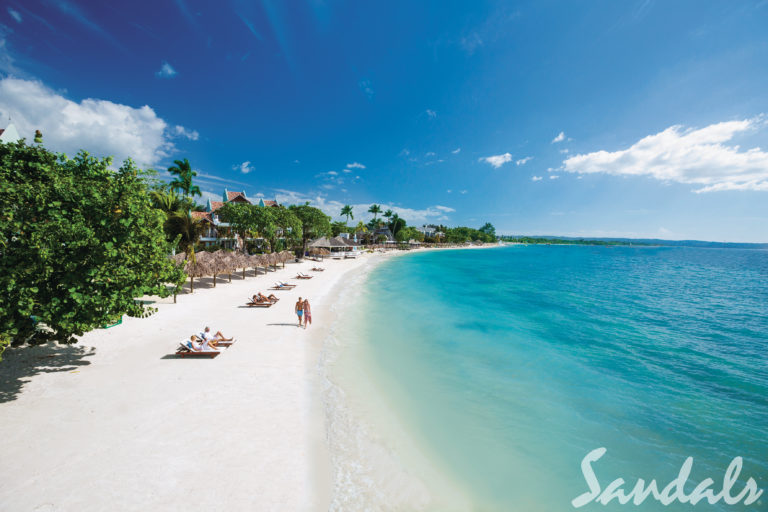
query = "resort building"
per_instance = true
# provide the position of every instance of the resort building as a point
(218, 232)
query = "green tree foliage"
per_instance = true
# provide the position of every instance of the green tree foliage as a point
(78, 243)
(409, 233)
(339, 227)
(488, 229)
(5, 341)
(396, 223)
(181, 229)
(314, 223)
(242, 219)
(463, 234)
(361, 230)
(183, 180)
(288, 227)
(346, 211)
(566, 241)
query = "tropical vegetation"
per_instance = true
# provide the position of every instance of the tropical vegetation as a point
(79, 242)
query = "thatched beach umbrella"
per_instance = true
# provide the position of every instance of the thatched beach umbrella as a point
(272, 260)
(200, 267)
(287, 256)
(241, 260)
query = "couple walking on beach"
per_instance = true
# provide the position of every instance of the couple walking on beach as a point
(303, 310)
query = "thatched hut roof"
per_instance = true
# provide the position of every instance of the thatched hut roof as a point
(320, 242)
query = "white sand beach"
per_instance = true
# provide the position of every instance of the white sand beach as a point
(118, 422)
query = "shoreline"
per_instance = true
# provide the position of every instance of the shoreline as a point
(118, 421)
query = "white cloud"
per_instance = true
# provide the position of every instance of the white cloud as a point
(355, 165)
(430, 153)
(463, 192)
(98, 126)
(456, 151)
(497, 160)
(446, 209)
(565, 151)
(15, 15)
(431, 113)
(449, 191)
(188, 134)
(523, 161)
(691, 156)
(536, 178)
(553, 176)
(166, 71)
(244, 167)
(560, 138)
(332, 173)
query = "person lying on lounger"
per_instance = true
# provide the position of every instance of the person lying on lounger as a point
(260, 297)
(200, 345)
(281, 284)
(318, 269)
(213, 339)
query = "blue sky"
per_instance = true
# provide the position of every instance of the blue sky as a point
(601, 118)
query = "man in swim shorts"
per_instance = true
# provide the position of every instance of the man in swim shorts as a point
(299, 309)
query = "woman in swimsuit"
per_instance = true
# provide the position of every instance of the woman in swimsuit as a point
(307, 313)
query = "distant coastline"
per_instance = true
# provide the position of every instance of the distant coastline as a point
(565, 240)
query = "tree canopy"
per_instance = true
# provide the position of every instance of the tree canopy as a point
(78, 243)
(314, 223)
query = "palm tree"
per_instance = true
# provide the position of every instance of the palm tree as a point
(188, 228)
(388, 214)
(375, 210)
(361, 229)
(179, 224)
(347, 212)
(167, 201)
(183, 182)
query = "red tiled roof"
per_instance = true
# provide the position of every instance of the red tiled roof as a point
(202, 215)
(269, 202)
(215, 205)
(231, 196)
(2, 130)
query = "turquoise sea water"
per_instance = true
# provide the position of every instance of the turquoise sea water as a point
(505, 367)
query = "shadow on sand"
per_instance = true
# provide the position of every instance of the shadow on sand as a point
(21, 364)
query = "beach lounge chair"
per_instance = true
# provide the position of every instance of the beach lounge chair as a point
(259, 304)
(303, 276)
(317, 269)
(283, 286)
(185, 349)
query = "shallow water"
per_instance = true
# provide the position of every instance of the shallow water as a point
(480, 379)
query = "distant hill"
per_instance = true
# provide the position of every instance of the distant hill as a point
(639, 241)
